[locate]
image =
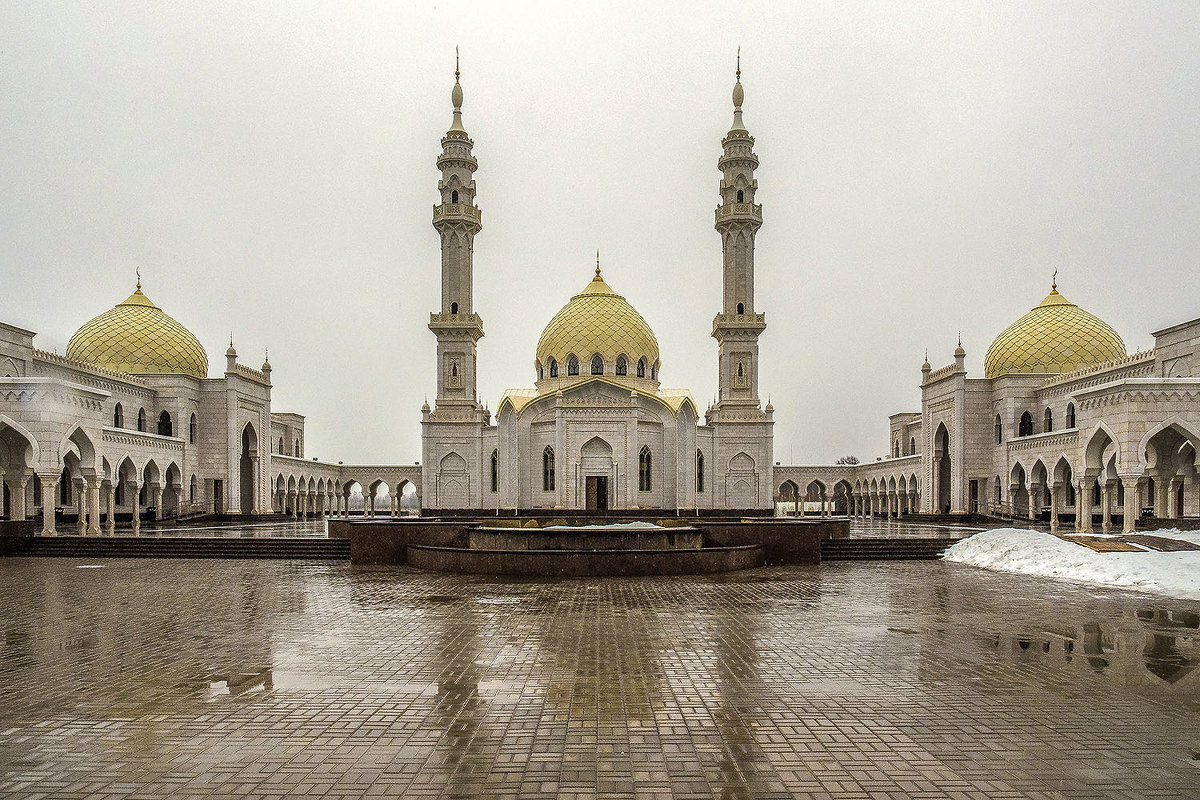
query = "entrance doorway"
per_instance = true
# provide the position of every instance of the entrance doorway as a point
(597, 493)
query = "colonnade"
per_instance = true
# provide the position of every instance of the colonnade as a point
(890, 505)
(94, 517)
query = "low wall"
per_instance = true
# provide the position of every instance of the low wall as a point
(14, 532)
(582, 563)
(681, 538)
(784, 541)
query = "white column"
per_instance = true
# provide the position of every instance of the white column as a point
(1034, 501)
(135, 501)
(49, 493)
(81, 485)
(1130, 485)
(93, 527)
(110, 521)
(1106, 507)
(16, 496)
(1083, 507)
(157, 488)
(1055, 491)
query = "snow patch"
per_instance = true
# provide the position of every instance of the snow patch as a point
(1032, 552)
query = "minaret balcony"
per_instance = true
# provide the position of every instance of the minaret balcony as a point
(738, 326)
(458, 212)
(456, 325)
(739, 212)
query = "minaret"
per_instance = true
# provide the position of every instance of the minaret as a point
(456, 220)
(738, 218)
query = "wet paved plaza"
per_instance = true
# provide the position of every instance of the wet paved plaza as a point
(179, 678)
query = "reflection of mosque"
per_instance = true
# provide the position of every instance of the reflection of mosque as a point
(1163, 648)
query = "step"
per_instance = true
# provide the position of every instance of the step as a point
(184, 547)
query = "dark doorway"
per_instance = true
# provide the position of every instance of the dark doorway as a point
(597, 492)
(974, 495)
(246, 469)
(218, 496)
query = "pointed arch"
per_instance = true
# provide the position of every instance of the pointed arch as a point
(548, 478)
(699, 470)
(495, 470)
(572, 364)
(597, 366)
(622, 365)
(645, 469)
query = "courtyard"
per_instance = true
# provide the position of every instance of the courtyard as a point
(189, 678)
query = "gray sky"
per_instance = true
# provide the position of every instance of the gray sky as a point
(924, 169)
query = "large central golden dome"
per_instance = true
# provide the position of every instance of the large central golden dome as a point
(598, 321)
(1056, 336)
(140, 338)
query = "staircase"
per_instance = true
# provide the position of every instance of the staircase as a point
(873, 549)
(182, 547)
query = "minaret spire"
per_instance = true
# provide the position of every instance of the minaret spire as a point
(456, 98)
(739, 95)
(597, 265)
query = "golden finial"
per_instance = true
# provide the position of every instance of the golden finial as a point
(597, 264)
(1054, 281)
(138, 270)
(739, 63)
(456, 63)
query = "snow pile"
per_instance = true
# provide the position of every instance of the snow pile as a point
(1036, 553)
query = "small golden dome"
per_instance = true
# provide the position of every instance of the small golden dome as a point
(598, 321)
(1056, 336)
(138, 337)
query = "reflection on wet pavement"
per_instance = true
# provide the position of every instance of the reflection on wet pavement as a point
(901, 528)
(259, 530)
(899, 679)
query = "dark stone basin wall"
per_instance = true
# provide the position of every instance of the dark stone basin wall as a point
(581, 563)
(14, 532)
(782, 541)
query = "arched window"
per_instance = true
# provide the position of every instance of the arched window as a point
(553, 368)
(192, 430)
(741, 372)
(999, 430)
(597, 365)
(548, 469)
(118, 417)
(741, 308)
(454, 308)
(454, 369)
(896, 449)
(572, 365)
(1025, 428)
(164, 424)
(622, 366)
(998, 497)
(1048, 420)
(741, 196)
(699, 471)
(644, 470)
(454, 196)
(280, 445)
(495, 471)
(912, 445)
(641, 368)
(142, 420)
(1070, 421)
(296, 448)
(654, 373)
(192, 491)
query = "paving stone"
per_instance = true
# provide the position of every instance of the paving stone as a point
(206, 679)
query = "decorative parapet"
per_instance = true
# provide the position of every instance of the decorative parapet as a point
(132, 438)
(726, 324)
(738, 212)
(1055, 441)
(1125, 390)
(457, 212)
(1137, 365)
(944, 372)
(463, 324)
(83, 366)
(251, 373)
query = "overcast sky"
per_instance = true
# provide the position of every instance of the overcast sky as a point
(925, 168)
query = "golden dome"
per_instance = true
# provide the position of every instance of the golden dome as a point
(598, 320)
(138, 337)
(1056, 336)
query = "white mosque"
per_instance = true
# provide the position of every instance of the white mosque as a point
(1064, 425)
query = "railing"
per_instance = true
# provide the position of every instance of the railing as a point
(731, 210)
(457, 211)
